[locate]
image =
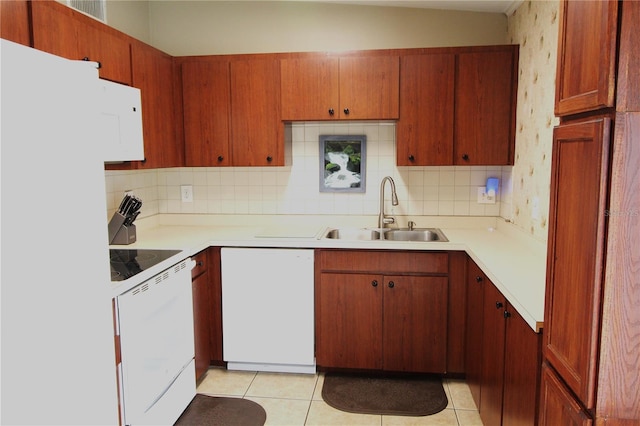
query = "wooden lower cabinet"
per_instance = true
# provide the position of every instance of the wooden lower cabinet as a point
(201, 307)
(493, 351)
(558, 405)
(215, 303)
(207, 309)
(370, 316)
(503, 355)
(476, 281)
(349, 327)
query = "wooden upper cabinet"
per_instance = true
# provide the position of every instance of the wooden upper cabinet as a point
(576, 252)
(485, 99)
(257, 133)
(153, 74)
(347, 88)
(309, 88)
(369, 87)
(14, 21)
(206, 106)
(60, 30)
(586, 56)
(425, 128)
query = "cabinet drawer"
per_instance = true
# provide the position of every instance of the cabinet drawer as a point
(201, 264)
(383, 261)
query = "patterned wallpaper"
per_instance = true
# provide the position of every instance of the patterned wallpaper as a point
(534, 26)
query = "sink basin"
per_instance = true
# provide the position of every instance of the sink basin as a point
(416, 234)
(353, 234)
(401, 234)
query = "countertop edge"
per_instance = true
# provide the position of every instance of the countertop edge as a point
(492, 248)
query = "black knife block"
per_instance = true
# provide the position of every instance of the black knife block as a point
(119, 233)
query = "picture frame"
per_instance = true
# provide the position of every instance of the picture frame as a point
(343, 163)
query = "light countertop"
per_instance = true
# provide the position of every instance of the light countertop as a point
(511, 259)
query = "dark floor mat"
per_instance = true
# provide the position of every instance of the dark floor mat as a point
(215, 411)
(398, 396)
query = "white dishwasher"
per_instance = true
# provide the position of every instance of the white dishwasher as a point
(268, 309)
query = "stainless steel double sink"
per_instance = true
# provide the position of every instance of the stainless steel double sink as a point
(393, 234)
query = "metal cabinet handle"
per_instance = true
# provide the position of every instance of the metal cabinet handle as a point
(269, 159)
(331, 111)
(465, 157)
(507, 314)
(346, 111)
(220, 158)
(499, 305)
(479, 279)
(412, 158)
(374, 283)
(391, 284)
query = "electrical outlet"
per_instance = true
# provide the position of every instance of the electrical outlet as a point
(186, 193)
(484, 198)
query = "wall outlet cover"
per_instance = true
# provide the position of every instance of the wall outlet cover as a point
(484, 198)
(186, 193)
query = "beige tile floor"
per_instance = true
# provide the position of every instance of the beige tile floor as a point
(295, 399)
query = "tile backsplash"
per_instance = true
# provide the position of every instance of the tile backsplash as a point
(294, 189)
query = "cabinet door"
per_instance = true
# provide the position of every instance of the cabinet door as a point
(309, 88)
(65, 32)
(586, 56)
(201, 319)
(14, 21)
(349, 321)
(369, 87)
(215, 306)
(415, 324)
(476, 281)
(206, 104)
(522, 361)
(425, 128)
(575, 255)
(558, 406)
(257, 133)
(153, 75)
(492, 355)
(485, 97)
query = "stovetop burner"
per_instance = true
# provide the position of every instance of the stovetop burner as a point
(125, 263)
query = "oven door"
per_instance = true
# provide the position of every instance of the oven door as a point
(157, 345)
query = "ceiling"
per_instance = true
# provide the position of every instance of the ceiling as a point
(494, 6)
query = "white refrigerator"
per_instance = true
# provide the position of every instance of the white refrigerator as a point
(57, 346)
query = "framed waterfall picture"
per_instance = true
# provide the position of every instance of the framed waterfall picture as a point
(342, 163)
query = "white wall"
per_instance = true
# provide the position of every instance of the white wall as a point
(534, 26)
(223, 27)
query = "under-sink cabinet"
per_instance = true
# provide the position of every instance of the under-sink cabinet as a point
(382, 310)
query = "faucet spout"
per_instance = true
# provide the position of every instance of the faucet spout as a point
(382, 218)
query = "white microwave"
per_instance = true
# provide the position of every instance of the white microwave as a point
(120, 130)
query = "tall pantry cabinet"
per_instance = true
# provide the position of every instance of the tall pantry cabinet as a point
(591, 355)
